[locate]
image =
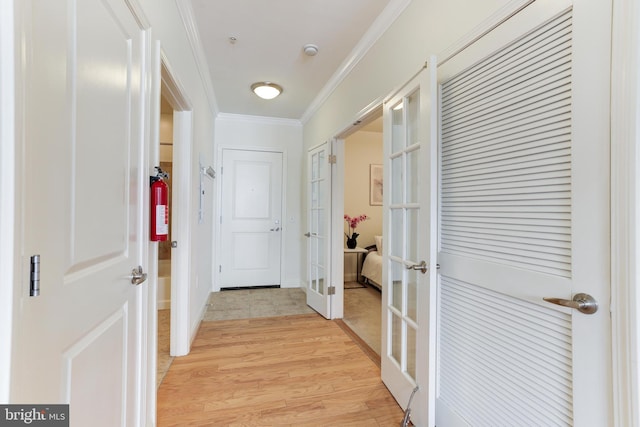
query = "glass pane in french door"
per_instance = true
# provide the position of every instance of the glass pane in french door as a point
(318, 212)
(408, 292)
(403, 215)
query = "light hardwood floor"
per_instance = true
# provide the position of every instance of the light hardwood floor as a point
(362, 313)
(298, 370)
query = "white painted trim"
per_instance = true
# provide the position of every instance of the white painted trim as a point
(337, 229)
(186, 13)
(196, 323)
(244, 118)
(215, 218)
(625, 211)
(284, 229)
(152, 158)
(173, 90)
(181, 259)
(8, 254)
(354, 125)
(138, 14)
(377, 29)
(501, 15)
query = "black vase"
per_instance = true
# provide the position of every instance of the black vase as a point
(351, 241)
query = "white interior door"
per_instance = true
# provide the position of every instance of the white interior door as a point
(408, 288)
(524, 216)
(80, 340)
(319, 291)
(251, 220)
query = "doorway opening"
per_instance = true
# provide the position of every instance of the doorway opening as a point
(170, 295)
(362, 193)
(164, 248)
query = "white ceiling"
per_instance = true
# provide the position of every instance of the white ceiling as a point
(270, 36)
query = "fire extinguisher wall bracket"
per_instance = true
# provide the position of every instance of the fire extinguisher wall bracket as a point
(159, 208)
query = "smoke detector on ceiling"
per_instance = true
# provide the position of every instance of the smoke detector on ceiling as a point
(310, 49)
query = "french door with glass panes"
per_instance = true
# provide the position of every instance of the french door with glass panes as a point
(408, 291)
(319, 208)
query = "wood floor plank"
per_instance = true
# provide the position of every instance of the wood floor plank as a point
(297, 370)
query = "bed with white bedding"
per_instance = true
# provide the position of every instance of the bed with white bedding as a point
(372, 264)
(372, 268)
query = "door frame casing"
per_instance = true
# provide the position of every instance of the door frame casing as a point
(163, 81)
(10, 208)
(625, 211)
(337, 202)
(167, 83)
(336, 267)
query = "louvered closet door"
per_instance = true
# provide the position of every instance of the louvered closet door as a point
(523, 216)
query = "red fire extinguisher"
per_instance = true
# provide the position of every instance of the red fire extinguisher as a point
(159, 207)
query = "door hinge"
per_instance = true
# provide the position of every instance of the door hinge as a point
(34, 281)
(219, 269)
(332, 159)
(331, 290)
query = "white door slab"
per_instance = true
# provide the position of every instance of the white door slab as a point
(319, 293)
(80, 341)
(251, 218)
(524, 215)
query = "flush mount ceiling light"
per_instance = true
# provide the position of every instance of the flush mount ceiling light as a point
(266, 90)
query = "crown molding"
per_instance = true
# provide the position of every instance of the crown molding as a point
(377, 29)
(244, 118)
(486, 26)
(191, 28)
(138, 14)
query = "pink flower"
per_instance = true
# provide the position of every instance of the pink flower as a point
(353, 222)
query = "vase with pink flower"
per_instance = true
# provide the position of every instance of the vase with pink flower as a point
(352, 223)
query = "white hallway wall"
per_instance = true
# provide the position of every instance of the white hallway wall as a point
(260, 133)
(167, 28)
(361, 150)
(423, 28)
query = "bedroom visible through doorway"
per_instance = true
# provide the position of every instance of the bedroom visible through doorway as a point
(363, 154)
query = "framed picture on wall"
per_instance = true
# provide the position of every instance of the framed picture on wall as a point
(375, 185)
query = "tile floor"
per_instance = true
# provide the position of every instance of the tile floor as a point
(362, 313)
(252, 303)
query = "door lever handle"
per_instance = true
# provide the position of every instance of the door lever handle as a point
(275, 229)
(422, 267)
(307, 234)
(137, 276)
(584, 303)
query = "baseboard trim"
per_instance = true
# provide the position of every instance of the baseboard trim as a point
(236, 288)
(368, 351)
